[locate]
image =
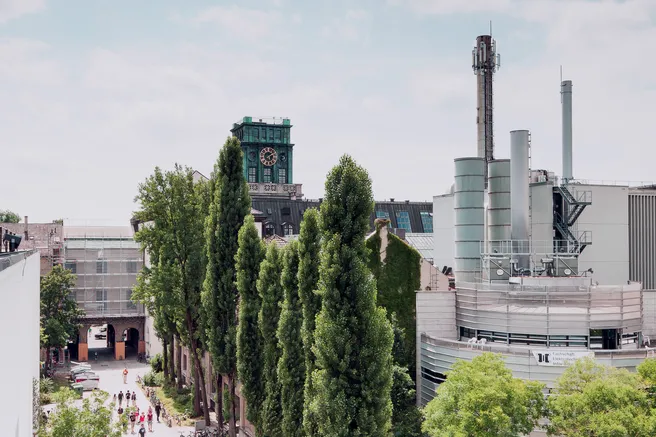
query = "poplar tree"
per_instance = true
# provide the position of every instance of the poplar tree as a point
(270, 289)
(353, 338)
(291, 367)
(249, 340)
(229, 205)
(309, 249)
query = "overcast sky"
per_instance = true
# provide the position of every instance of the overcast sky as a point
(95, 94)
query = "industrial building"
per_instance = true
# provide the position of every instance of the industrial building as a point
(548, 268)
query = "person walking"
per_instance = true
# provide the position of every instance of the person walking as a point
(114, 397)
(133, 421)
(120, 398)
(142, 419)
(142, 431)
(150, 419)
(125, 375)
(134, 398)
(158, 409)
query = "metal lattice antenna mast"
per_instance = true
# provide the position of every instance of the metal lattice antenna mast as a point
(485, 62)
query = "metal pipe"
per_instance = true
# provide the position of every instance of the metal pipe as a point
(566, 102)
(519, 193)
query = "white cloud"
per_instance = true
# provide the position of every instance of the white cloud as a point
(25, 60)
(448, 7)
(251, 24)
(353, 26)
(12, 9)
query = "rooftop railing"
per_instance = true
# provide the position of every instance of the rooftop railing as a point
(8, 259)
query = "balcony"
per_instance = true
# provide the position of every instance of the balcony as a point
(118, 308)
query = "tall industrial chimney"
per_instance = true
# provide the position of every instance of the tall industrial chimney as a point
(519, 195)
(485, 62)
(566, 102)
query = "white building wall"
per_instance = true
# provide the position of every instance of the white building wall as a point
(19, 331)
(443, 231)
(607, 218)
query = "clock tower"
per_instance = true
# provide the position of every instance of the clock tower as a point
(268, 156)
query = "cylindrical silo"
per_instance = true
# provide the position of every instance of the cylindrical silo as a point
(499, 202)
(519, 194)
(469, 210)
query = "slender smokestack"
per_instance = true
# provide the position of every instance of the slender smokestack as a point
(519, 195)
(566, 102)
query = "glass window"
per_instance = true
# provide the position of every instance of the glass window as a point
(267, 175)
(269, 229)
(278, 135)
(252, 174)
(403, 220)
(130, 304)
(271, 135)
(101, 295)
(101, 266)
(285, 136)
(288, 229)
(132, 266)
(256, 134)
(282, 175)
(71, 265)
(427, 221)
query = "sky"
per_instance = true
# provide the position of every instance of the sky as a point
(95, 94)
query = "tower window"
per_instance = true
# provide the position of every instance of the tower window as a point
(288, 229)
(271, 135)
(269, 229)
(256, 134)
(267, 175)
(277, 135)
(252, 174)
(282, 175)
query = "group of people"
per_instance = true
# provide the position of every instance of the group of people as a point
(135, 416)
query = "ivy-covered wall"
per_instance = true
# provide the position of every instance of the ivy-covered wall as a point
(398, 277)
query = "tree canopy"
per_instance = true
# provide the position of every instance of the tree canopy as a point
(592, 399)
(353, 338)
(7, 216)
(482, 398)
(60, 314)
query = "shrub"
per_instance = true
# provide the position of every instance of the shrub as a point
(156, 363)
(152, 379)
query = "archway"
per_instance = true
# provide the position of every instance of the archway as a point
(131, 340)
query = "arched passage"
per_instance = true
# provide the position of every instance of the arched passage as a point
(109, 339)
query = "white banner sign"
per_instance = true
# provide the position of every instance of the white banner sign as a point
(559, 357)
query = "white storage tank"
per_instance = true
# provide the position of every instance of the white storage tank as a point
(499, 200)
(469, 217)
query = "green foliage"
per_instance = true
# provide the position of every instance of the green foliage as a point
(398, 277)
(7, 216)
(156, 363)
(249, 339)
(172, 206)
(591, 399)
(291, 367)
(230, 204)
(406, 417)
(647, 370)
(271, 293)
(309, 253)
(482, 398)
(92, 419)
(153, 379)
(353, 338)
(60, 315)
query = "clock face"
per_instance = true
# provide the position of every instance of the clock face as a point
(268, 156)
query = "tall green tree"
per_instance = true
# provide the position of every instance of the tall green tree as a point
(309, 253)
(270, 289)
(482, 398)
(353, 338)
(592, 399)
(230, 204)
(406, 417)
(249, 339)
(7, 216)
(92, 419)
(291, 367)
(171, 202)
(60, 315)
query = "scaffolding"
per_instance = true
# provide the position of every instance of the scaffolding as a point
(106, 261)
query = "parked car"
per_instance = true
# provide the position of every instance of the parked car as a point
(79, 369)
(100, 336)
(103, 329)
(88, 380)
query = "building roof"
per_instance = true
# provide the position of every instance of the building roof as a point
(422, 242)
(41, 236)
(278, 212)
